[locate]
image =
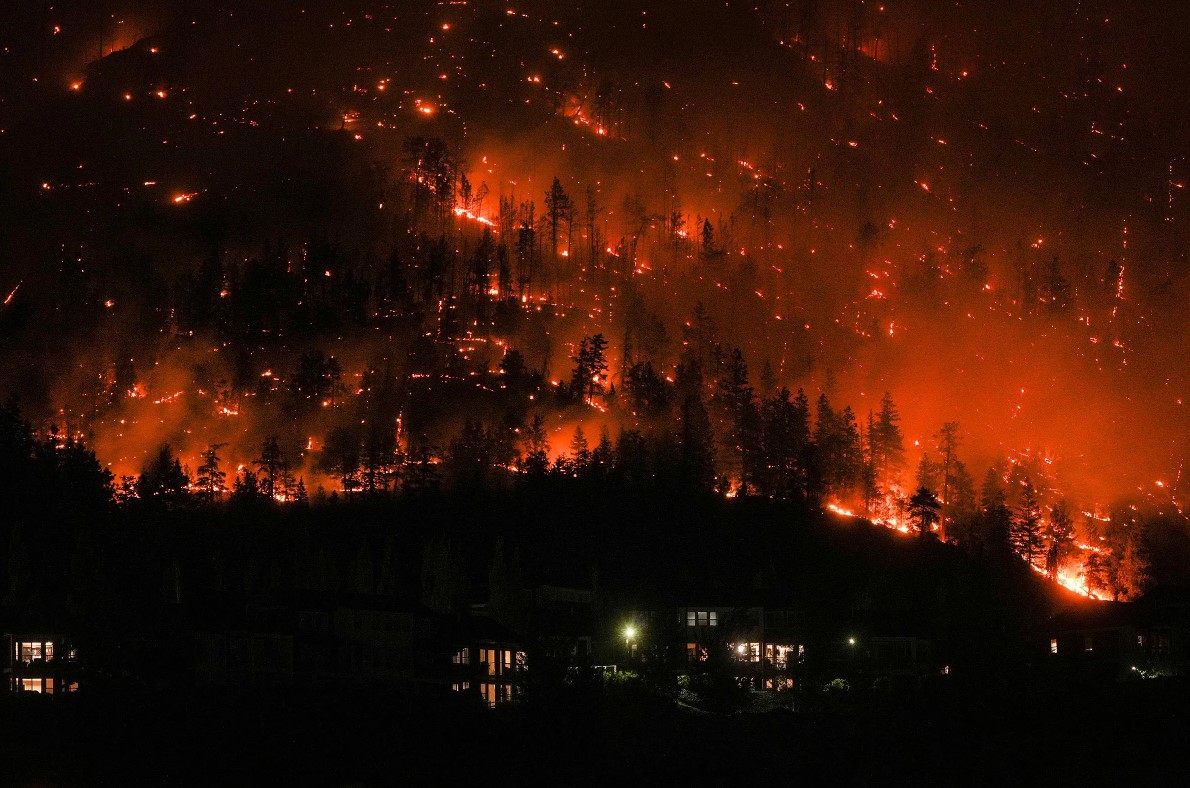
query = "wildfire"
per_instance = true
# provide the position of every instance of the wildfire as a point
(463, 213)
(839, 510)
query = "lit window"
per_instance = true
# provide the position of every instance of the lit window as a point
(702, 618)
(1053, 645)
(714, 618)
(1140, 640)
(690, 618)
(461, 657)
(30, 651)
(30, 685)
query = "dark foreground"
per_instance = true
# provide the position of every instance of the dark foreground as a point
(989, 735)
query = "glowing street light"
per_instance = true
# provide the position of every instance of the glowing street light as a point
(851, 641)
(629, 636)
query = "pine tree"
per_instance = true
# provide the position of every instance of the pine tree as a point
(995, 517)
(827, 451)
(708, 240)
(960, 512)
(1061, 535)
(733, 400)
(948, 440)
(580, 452)
(696, 443)
(603, 457)
(163, 480)
(210, 479)
(888, 449)
(1027, 528)
(273, 466)
(589, 378)
(341, 456)
(443, 577)
(927, 472)
(420, 471)
(537, 448)
(785, 437)
(923, 510)
(246, 487)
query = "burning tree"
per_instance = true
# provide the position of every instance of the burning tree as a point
(1061, 535)
(589, 378)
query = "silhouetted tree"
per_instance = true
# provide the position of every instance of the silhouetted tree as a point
(210, 478)
(163, 480)
(273, 467)
(923, 510)
(1027, 532)
(340, 455)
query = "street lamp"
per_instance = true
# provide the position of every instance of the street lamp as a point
(629, 634)
(851, 641)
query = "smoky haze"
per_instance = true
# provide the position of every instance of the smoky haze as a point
(981, 212)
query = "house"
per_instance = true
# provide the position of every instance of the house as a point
(310, 639)
(487, 659)
(41, 662)
(765, 645)
(1120, 641)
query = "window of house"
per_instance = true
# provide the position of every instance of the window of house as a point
(1140, 640)
(461, 686)
(488, 693)
(1053, 645)
(521, 660)
(691, 650)
(32, 650)
(488, 657)
(461, 657)
(32, 685)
